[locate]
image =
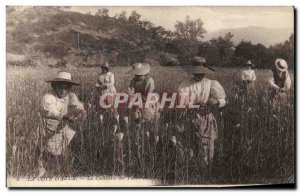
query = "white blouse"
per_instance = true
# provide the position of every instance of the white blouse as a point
(54, 108)
(248, 74)
(107, 79)
(203, 90)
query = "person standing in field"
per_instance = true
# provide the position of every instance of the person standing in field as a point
(146, 118)
(105, 85)
(279, 83)
(105, 88)
(210, 96)
(143, 83)
(61, 112)
(248, 78)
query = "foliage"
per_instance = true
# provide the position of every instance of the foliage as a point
(123, 39)
(264, 57)
(189, 29)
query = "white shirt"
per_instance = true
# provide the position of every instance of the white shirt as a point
(54, 108)
(248, 74)
(107, 79)
(203, 90)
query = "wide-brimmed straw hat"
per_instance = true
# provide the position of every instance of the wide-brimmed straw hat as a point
(106, 65)
(139, 69)
(64, 77)
(198, 66)
(281, 65)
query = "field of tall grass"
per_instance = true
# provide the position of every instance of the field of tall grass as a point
(255, 144)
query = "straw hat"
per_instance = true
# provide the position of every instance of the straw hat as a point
(106, 65)
(139, 69)
(64, 77)
(281, 65)
(198, 66)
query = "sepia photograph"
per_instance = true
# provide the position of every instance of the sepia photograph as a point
(150, 96)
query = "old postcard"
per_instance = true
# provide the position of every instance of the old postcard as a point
(150, 96)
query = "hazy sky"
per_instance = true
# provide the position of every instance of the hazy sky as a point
(214, 18)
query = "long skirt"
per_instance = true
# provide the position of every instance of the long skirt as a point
(207, 133)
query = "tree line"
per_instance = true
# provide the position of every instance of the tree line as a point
(186, 41)
(82, 40)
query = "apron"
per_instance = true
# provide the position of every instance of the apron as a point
(207, 132)
(58, 142)
(58, 136)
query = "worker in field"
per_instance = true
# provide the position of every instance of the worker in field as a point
(62, 113)
(143, 83)
(146, 119)
(279, 83)
(105, 115)
(248, 78)
(210, 96)
(105, 85)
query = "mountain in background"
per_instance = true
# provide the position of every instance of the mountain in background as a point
(262, 35)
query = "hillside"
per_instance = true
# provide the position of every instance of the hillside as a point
(80, 38)
(52, 36)
(262, 35)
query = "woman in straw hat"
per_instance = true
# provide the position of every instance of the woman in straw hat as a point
(60, 110)
(248, 78)
(143, 83)
(208, 94)
(279, 82)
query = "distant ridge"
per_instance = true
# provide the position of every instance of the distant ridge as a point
(262, 35)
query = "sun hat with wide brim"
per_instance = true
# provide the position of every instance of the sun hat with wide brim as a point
(139, 69)
(191, 69)
(198, 66)
(64, 77)
(281, 65)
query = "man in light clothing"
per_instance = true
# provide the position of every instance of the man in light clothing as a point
(279, 83)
